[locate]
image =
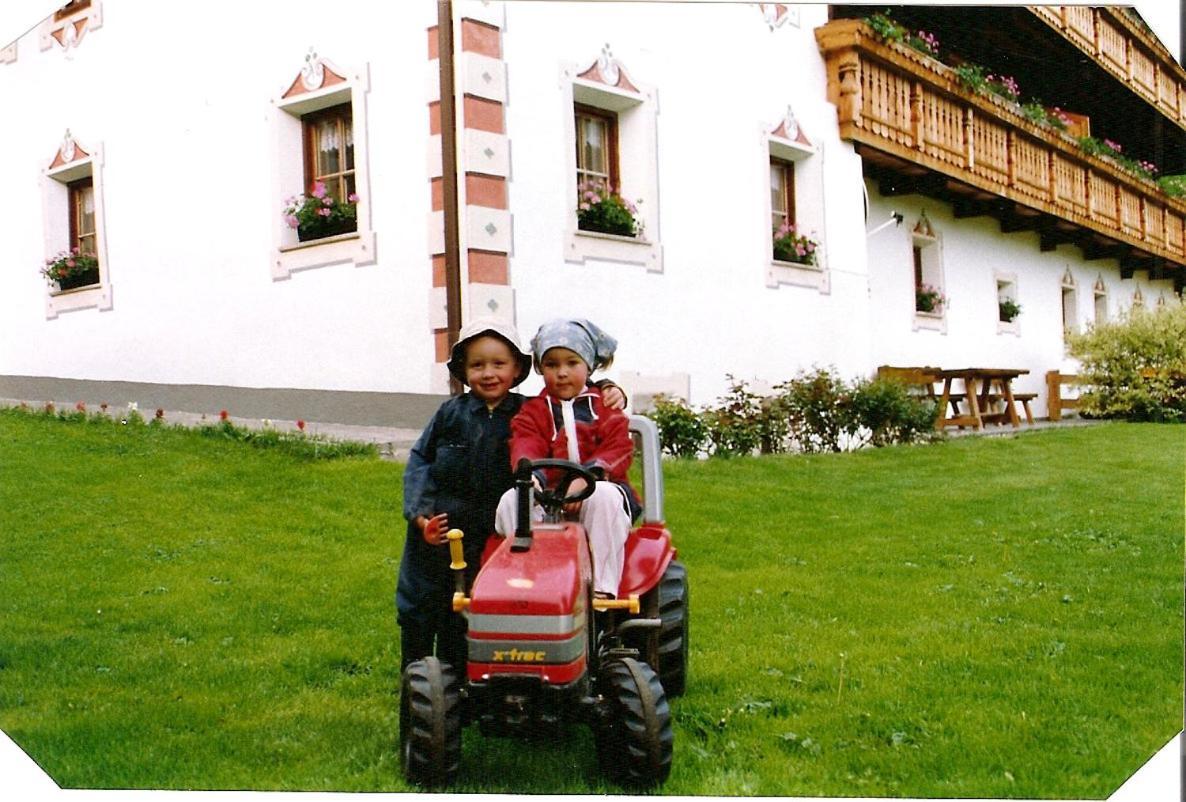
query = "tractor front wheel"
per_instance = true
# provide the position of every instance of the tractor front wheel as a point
(666, 649)
(430, 723)
(634, 739)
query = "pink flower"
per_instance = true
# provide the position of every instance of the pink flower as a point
(74, 250)
(319, 189)
(1114, 145)
(292, 221)
(69, 263)
(584, 207)
(325, 212)
(301, 425)
(80, 406)
(223, 415)
(595, 199)
(352, 197)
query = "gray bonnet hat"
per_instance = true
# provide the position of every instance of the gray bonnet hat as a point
(503, 330)
(583, 338)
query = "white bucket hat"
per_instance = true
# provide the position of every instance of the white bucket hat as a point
(503, 330)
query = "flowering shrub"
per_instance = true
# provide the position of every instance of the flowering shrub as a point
(924, 42)
(69, 265)
(886, 28)
(1133, 367)
(928, 299)
(1008, 309)
(974, 79)
(606, 212)
(791, 246)
(1003, 86)
(1054, 117)
(1112, 150)
(319, 214)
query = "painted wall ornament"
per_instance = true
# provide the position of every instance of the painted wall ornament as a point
(607, 66)
(313, 73)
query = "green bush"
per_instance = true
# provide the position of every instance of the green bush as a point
(1135, 367)
(682, 430)
(735, 426)
(887, 413)
(818, 411)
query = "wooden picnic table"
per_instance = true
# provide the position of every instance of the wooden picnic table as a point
(979, 396)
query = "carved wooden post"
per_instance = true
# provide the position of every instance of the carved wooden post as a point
(1087, 193)
(916, 115)
(848, 68)
(1051, 176)
(969, 135)
(1010, 160)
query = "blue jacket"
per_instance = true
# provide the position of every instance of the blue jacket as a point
(461, 465)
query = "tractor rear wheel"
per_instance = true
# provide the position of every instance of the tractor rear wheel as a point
(666, 649)
(430, 723)
(634, 740)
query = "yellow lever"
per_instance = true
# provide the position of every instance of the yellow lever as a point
(631, 605)
(460, 602)
(455, 551)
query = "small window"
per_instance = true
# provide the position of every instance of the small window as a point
(82, 216)
(1008, 308)
(1138, 299)
(1070, 316)
(782, 193)
(929, 300)
(329, 151)
(597, 147)
(1100, 294)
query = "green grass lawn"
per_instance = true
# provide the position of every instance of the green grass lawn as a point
(981, 617)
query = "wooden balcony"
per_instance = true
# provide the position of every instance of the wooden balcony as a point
(1119, 44)
(910, 118)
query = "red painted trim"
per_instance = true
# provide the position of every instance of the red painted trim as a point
(483, 115)
(488, 267)
(486, 190)
(479, 37)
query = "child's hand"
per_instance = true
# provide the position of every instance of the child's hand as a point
(575, 488)
(434, 528)
(613, 397)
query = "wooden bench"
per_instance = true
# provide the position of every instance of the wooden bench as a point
(918, 383)
(1056, 403)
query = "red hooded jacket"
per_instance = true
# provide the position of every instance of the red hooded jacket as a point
(603, 436)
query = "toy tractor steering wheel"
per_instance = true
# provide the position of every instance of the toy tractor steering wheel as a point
(555, 499)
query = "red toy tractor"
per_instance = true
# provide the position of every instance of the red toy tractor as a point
(543, 653)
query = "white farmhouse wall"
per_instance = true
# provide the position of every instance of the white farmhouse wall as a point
(974, 251)
(180, 98)
(722, 78)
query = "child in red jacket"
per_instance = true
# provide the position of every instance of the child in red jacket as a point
(569, 421)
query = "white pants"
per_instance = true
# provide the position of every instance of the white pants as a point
(606, 522)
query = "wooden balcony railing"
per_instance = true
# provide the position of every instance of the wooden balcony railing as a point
(1124, 49)
(895, 100)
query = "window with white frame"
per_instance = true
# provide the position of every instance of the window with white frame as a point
(322, 189)
(1008, 306)
(796, 256)
(1138, 299)
(612, 178)
(75, 249)
(1100, 296)
(930, 303)
(1070, 304)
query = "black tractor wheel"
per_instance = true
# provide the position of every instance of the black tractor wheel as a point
(666, 649)
(430, 723)
(634, 739)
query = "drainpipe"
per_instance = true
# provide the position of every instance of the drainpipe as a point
(449, 177)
